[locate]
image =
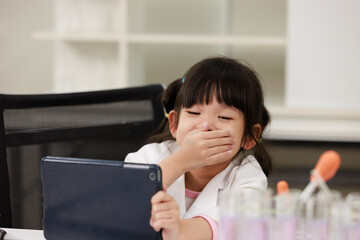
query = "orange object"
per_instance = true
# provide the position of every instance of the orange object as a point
(328, 164)
(282, 187)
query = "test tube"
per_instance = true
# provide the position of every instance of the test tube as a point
(286, 221)
(352, 216)
(232, 213)
(335, 220)
(258, 216)
(317, 220)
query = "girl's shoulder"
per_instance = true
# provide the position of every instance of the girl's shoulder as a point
(248, 174)
(158, 148)
(250, 167)
(153, 152)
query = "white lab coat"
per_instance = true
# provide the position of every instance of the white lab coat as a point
(248, 175)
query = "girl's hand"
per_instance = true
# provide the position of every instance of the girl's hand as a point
(201, 147)
(165, 215)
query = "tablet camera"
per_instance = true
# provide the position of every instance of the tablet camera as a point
(152, 176)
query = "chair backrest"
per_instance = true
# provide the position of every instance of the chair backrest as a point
(100, 124)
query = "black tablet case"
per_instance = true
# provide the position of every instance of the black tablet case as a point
(98, 199)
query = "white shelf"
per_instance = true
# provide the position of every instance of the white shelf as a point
(314, 125)
(208, 39)
(77, 37)
(269, 41)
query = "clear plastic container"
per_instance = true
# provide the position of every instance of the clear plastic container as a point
(245, 215)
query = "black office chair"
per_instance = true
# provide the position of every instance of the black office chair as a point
(100, 124)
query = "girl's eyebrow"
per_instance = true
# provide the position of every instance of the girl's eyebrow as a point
(233, 110)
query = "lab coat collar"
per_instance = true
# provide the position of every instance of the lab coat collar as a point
(177, 191)
(208, 198)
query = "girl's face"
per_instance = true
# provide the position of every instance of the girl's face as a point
(217, 116)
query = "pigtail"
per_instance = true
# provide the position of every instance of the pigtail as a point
(260, 151)
(162, 132)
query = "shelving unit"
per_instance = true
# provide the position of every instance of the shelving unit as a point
(101, 44)
(128, 34)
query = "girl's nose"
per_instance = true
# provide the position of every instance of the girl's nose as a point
(207, 126)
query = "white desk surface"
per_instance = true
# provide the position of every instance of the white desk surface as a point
(23, 234)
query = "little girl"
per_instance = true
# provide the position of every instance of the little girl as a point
(208, 145)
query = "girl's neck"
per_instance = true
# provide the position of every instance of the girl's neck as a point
(197, 179)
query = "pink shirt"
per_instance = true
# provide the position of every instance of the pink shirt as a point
(190, 197)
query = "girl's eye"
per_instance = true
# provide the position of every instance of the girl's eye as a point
(193, 113)
(225, 118)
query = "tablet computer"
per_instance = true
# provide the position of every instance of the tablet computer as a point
(98, 199)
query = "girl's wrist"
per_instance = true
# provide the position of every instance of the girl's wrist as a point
(179, 161)
(172, 168)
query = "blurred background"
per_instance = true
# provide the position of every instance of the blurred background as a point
(306, 53)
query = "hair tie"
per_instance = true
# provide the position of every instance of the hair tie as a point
(183, 80)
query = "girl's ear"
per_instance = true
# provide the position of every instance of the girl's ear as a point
(173, 122)
(251, 142)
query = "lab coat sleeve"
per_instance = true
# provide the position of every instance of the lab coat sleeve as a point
(152, 153)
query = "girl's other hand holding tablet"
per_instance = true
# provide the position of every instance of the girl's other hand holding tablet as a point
(165, 215)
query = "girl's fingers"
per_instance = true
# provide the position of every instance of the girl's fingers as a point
(164, 206)
(219, 157)
(216, 134)
(226, 149)
(163, 224)
(195, 131)
(164, 211)
(164, 215)
(161, 196)
(220, 142)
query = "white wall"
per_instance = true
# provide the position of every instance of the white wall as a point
(323, 54)
(25, 64)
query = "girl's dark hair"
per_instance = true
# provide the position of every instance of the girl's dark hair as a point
(235, 84)
(162, 132)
